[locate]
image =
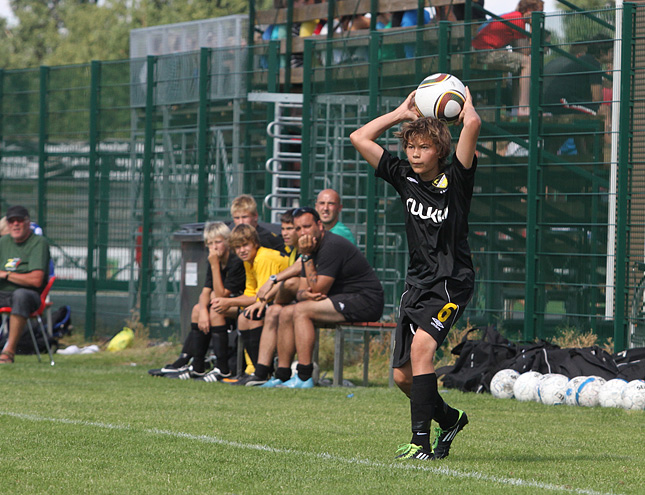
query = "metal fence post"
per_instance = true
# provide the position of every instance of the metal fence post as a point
(146, 197)
(533, 183)
(623, 192)
(90, 289)
(373, 85)
(42, 139)
(202, 129)
(305, 146)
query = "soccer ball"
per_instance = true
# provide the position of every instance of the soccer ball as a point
(525, 387)
(441, 96)
(588, 391)
(611, 393)
(501, 386)
(634, 395)
(552, 388)
(572, 390)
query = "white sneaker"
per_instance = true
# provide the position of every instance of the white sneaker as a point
(72, 349)
(90, 349)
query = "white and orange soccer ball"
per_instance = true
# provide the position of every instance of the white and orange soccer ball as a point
(441, 96)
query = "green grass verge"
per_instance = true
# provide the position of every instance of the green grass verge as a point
(100, 424)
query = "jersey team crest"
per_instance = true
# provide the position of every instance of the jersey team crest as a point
(441, 182)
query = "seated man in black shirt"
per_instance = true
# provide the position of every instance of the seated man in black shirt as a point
(337, 284)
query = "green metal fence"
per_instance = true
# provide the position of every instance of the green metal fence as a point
(113, 157)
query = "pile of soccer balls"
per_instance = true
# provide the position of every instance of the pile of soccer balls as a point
(554, 389)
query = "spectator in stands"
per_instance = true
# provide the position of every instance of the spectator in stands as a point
(328, 206)
(244, 210)
(574, 85)
(441, 278)
(337, 284)
(259, 264)
(281, 289)
(495, 35)
(24, 272)
(225, 277)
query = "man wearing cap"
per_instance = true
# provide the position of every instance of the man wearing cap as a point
(24, 271)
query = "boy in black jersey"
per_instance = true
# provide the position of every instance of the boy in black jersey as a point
(440, 281)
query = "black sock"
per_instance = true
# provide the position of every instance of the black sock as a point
(182, 360)
(200, 341)
(445, 415)
(220, 339)
(283, 374)
(262, 371)
(305, 371)
(188, 343)
(251, 339)
(422, 400)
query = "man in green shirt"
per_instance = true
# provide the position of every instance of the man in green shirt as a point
(328, 206)
(24, 271)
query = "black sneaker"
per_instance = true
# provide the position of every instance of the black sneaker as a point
(249, 380)
(172, 368)
(412, 451)
(214, 375)
(443, 438)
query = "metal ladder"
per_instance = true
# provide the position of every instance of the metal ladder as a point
(285, 129)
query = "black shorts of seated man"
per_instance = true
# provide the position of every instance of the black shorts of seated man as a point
(337, 284)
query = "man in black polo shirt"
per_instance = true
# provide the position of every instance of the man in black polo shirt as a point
(337, 284)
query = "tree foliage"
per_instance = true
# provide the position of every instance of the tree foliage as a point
(62, 32)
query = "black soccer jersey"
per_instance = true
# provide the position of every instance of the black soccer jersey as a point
(436, 220)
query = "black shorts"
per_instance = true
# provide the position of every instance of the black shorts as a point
(434, 310)
(361, 306)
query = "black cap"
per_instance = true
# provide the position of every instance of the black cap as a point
(17, 212)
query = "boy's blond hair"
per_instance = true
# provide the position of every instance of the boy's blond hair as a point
(213, 230)
(244, 204)
(242, 234)
(427, 128)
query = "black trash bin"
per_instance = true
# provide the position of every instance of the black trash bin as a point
(193, 270)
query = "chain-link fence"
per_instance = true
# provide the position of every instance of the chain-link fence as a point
(113, 157)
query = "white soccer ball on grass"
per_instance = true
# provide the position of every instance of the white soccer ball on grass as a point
(634, 395)
(570, 395)
(611, 393)
(589, 390)
(501, 386)
(552, 388)
(525, 387)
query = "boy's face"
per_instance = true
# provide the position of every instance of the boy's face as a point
(245, 217)
(288, 232)
(247, 251)
(423, 157)
(217, 245)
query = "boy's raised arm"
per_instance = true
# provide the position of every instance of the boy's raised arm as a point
(467, 143)
(364, 139)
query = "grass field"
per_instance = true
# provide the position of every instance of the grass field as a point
(100, 424)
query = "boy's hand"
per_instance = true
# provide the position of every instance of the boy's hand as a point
(408, 109)
(468, 106)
